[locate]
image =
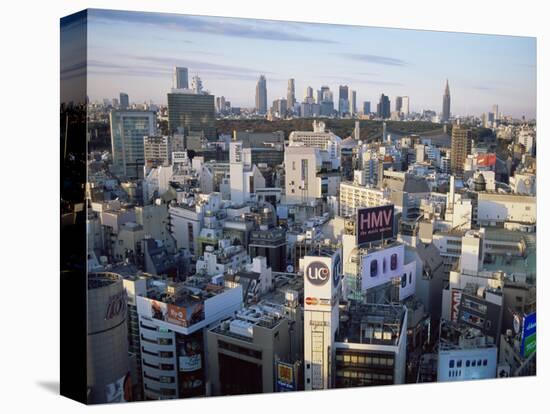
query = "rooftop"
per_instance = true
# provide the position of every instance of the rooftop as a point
(371, 324)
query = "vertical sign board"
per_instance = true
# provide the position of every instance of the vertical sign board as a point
(374, 223)
(529, 335)
(456, 296)
(285, 377)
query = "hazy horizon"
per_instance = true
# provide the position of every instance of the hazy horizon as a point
(135, 52)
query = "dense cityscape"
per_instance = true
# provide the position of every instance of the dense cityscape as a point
(312, 243)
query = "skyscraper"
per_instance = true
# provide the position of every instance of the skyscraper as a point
(353, 103)
(461, 145)
(191, 112)
(128, 128)
(383, 107)
(366, 107)
(343, 99)
(124, 100)
(309, 92)
(405, 106)
(495, 111)
(181, 78)
(398, 103)
(402, 105)
(446, 113)
(261, 96)
(290, 94)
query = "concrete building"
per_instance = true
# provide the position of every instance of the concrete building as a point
(357, 195)
(157, 150)
(108, 370)
(446, 111)
(244, 351)
(465, 354)
(370, 346)
(461, 146)
(172, 317)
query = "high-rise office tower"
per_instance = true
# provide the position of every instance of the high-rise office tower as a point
(196, 84)
(124, 100)
(366, 107)
(398, 103)
(261, 96)
(495, 111)
(128, 128)
(353, 103)
(290, 94)
(181, 78)
(402, 105)
(461, 145)
(383, 107)
(446, 113)
(405, 105)
(309, 92)
(191, 112)
(343, 99)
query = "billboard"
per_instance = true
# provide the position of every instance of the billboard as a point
(321, 281)
(286, 380)
(529, 335)
(456, 296)
(374, 223)
(486, 160)
(184, 316)
(381, 266)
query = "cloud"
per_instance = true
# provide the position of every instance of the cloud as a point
(361, 80)
(381, 60)
(243, 28)
(159, 67)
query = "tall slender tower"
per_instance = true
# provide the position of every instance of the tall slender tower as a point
(261, 96)
(181, 80)
(290, 94)
(446, 113)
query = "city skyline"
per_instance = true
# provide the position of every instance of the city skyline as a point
(483, 70)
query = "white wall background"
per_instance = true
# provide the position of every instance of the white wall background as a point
(30, 311)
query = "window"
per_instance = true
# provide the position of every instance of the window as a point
(410, 277)
(484, 362)
(452, 363)
(374, 268)
(479, 362)
(459, 363)
(404, 280)
(467, 363)
(393, 261)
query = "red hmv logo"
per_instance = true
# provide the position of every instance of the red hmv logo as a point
(317, 273)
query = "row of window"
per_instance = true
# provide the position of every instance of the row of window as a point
(366, 375)
(468, 363)
(365, 360)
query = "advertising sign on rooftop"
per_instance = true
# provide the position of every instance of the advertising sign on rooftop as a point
(374, 223)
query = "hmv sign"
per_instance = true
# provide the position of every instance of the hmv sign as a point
(317, 273)
(374, 223)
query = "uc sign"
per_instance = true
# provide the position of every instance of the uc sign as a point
(317, 273)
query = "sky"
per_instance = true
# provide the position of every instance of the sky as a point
(136, 52)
